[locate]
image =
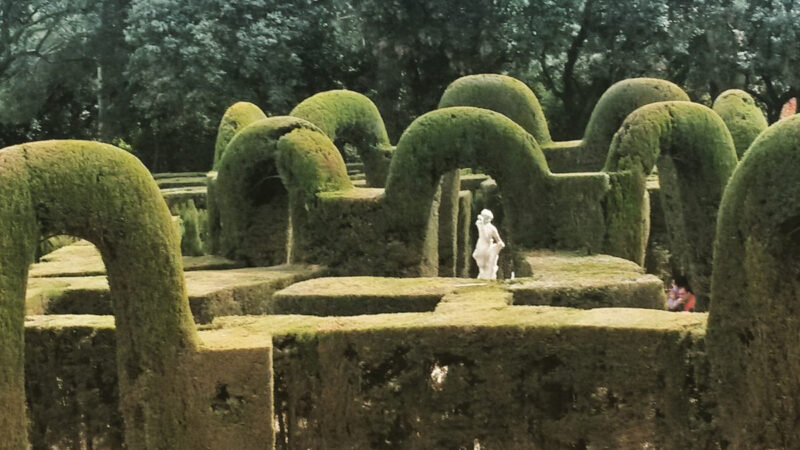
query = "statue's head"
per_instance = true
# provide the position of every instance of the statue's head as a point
(487, 216)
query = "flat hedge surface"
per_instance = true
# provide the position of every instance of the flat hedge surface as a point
(475, 368)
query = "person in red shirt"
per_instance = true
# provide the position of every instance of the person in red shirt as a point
(686, 299)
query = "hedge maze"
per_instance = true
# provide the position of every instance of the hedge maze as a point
(353, 323)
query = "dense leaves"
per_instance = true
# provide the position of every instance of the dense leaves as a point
(159, 74)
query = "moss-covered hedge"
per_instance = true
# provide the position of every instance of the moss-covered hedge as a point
(512, 98)
(251, 185)
(348, 117)
(613, 108)
(503, 94)
(695, 156)
(742, 116)
(575, 381)
(72, 387)
(475, 370)
(108, 197)
(753, 327)
(540, 209)
(236, 117)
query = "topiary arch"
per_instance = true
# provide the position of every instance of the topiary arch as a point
(105, 195)
(742, 116)
(753, 325)
(348, 117)
(503, 94)
(236, 117)
(252, 201)
(695, 156)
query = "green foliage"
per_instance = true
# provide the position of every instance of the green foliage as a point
(350, 118)
(752, 326)
(72, 388)
(264, 165)
(695, 156)
(201, 56)
(191, 227)
(742, 116)
(614, 106)
(502, 94)
(236, 117)
(158, 74)
(105, 195)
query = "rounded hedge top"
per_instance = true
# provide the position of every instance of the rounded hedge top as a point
(744, 118)
(698, 158)
(307, 160)
(349, 117)
(752, 327)
(671, 127)
(449, 138)
(502, 94)
(105, 195)
(616, 103)
(236, 117)
(339, 110)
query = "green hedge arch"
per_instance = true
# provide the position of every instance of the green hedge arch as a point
(695, 155)
(348, 117)
(253, 194)
(742, 116)
(105, 195)
(752, 326)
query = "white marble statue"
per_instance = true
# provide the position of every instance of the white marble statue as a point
(488, 246)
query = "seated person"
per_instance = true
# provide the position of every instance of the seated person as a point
(684, 302)
(686, 299)
(672, 300)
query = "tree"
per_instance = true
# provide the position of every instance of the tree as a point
(193, 60)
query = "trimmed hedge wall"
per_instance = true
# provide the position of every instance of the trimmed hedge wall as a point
(512, 98)
(742, 116)
(108, 197)
(236, 117)
(348, 117)
(753, 327)
(474, 371)
(695, 156)
(503, 94)
(252, 200)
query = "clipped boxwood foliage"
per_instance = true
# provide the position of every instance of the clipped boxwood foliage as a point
(396, 232)
(71, 386)
(533, 199)
(236, 117)
(348, 117)
(503, 94)
(742, 116)
(512, 98)
(108, 197)
(753, 328)
(695, 156)
(252, 200)
(614, 105)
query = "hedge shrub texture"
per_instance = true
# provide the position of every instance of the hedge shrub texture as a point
(105, 195)
(503, 94)
(236, 117)
(753, 325)
(512, 98)
(541, 210)
(742, 116)
(348, 117)
(695, 156)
